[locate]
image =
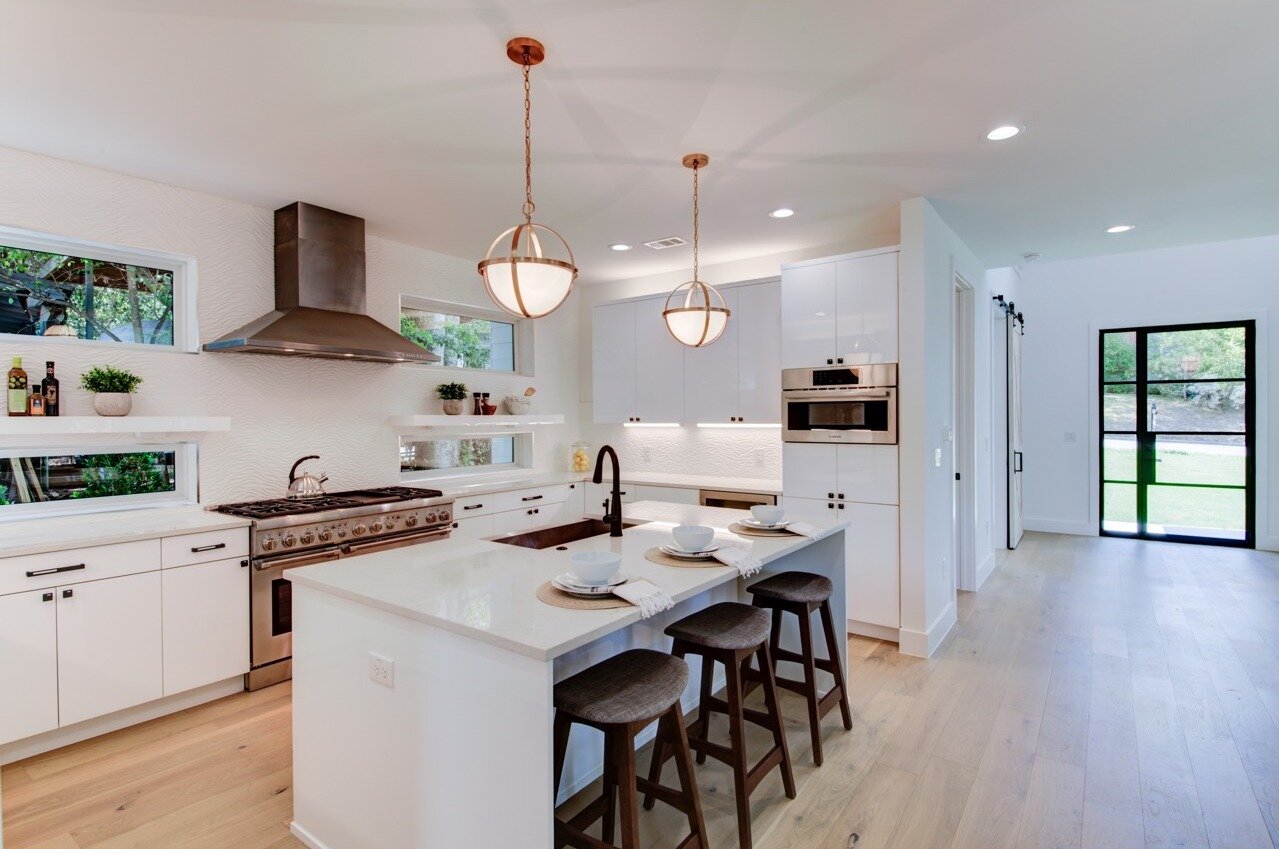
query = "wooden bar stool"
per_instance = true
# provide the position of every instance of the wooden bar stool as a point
(620, 697)
(802, 593)
(730, 633)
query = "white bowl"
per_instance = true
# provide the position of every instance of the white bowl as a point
(693, 537)
(767, 514)
(595, 568)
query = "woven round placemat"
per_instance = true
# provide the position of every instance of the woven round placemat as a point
(661, 558)
(556, 598)
(739, 528)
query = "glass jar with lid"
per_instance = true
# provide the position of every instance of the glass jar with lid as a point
(579, 457)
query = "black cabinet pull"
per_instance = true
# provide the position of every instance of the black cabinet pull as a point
(841, 506)
(830, 495)
(244, 564)
(213, 547)
(840, 360)
(572, 486)
(830, 506)
(531, 498)
(455, 526)
(472, 506)
(68, 593)
(38, 572)
(829, 361)
(841, 495)
(47, 597)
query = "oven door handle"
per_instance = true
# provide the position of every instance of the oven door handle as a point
(828, 395)
(402, 539)
(304, 559)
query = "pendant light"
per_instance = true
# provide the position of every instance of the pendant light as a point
(518, 274)
(700, 314)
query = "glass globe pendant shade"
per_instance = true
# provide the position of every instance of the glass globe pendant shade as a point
(699, 317)
(522, 280)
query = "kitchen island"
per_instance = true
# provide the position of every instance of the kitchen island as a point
(423, 677)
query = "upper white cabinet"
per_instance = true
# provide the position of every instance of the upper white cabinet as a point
(638, 366)
(841, 310)
(738, 377)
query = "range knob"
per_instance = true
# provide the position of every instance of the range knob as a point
(359, 530)
(289, 541)
(307, 537)
(375, 527)
(432, 516)
(410, 519)
(326, 535)
(341, 531)
(444, 515)
(269, 544)
(390, 521)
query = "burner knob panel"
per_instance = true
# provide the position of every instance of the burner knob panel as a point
(268, 544)
(444, 515)
(359, 530)
(375, 527)
(326, 535)
(432, 516)
(307, 538)
(289, 541)
(410, 520)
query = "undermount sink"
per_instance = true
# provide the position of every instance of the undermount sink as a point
(560, 534)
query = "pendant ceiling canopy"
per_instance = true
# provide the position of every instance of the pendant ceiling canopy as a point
(524, 272)
(696, 314)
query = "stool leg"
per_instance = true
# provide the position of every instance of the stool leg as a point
(562, 726)
(610, 788)
(624, 768)
(737, 742)
(687, 781)
(661, 752)
(810, 681)
(837, 666)
(703, 700)
(775, 710)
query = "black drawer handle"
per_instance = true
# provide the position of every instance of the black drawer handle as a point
(213, 547)
(38, 572)
(472, 506)
(531, 498)
(68, 593)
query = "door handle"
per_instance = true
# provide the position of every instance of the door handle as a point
(1016, 461)
(38, 572)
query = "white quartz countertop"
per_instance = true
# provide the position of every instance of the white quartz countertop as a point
(765, 486)
(488, 590)
(462, 488)
(56, 533)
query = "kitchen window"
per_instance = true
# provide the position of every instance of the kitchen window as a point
(81, 480)
(465, 337)
(443, 456)
(66, 290)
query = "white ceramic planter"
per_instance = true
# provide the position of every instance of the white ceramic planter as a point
(452, 407)
(112, 403)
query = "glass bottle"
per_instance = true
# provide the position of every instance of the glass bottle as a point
(17, 395)
(579, 458)
(35, 402)
(49, 387)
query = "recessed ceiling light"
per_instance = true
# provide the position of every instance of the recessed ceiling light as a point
(619, 247)
(1003, 133)
(783, 212)
(1120, 228)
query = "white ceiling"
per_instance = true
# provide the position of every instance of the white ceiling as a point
(1159, 113)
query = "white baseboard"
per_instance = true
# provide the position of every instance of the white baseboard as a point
(875, 632)
(305, 837)
(1060, 526)
(1267, 543)
(923, 644)
(984, 569)
(59, 737)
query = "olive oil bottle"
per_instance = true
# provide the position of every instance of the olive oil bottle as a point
(16, 398)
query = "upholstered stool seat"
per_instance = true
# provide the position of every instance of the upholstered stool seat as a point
(635, 685)
(727, 625)
(803, 587)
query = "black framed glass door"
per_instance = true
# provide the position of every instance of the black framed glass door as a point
(1177, 422)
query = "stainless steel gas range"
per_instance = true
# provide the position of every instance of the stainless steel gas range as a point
(289, 532)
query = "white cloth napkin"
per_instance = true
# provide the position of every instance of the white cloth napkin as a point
(647, 596)
(739, 558)
(804, 529)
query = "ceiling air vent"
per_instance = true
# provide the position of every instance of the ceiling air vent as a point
(663, 244)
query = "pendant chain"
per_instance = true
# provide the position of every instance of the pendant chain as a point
(695, 221)
(528, 142)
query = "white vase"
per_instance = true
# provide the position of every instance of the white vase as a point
(112, 403)
(452, 407)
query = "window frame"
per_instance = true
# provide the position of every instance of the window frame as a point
(522, 332)
(185, 473)
(186, 326)
(523, 455)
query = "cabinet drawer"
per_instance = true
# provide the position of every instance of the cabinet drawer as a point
(473, 527)
(524, 498)
(74, 565)
(205, 547)
(474, 505)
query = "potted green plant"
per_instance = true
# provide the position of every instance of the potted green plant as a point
(112, 389)
(453, 395)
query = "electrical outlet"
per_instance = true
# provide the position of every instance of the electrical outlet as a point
(937, 458)
(382, 670)
(1068, 436)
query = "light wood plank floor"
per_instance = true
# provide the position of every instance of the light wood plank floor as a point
(1096, 693)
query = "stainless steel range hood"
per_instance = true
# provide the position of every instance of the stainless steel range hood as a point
(319, 296)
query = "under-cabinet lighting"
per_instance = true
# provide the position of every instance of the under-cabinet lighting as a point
(650, 424)
(747, 425)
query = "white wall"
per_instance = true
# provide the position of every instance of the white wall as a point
(1067, 303)
(281, 408)
(931, 256)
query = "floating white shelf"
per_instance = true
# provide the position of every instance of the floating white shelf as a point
(91, 425)
(476, 421)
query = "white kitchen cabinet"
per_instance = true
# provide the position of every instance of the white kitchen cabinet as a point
(866, 299)
(809, 470)
(109, 650)
(511, 522)
(870, 555)
(638, 367)
(613, 360)
(738, 377)
(474, 527)
(28, 664)
(206, 623)
(711, 373)
(863, 473)
(808, 314)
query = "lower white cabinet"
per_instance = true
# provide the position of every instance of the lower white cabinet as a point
(28, 664)
(473, 527)
(206, 623)
(871, 557)
(109, 653)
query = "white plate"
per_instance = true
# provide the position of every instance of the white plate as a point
(764, 526)
(585, 592)
(689, 555)
(573, 580)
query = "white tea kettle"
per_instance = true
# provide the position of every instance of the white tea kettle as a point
(305, 485)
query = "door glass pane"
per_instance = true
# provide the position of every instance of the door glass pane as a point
(1220, 460)
(1119, 508)
(1196, 406)
(1120, 456)
(1187, 354)
(1120, 407)
(1197, 512)
(1119, 356)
